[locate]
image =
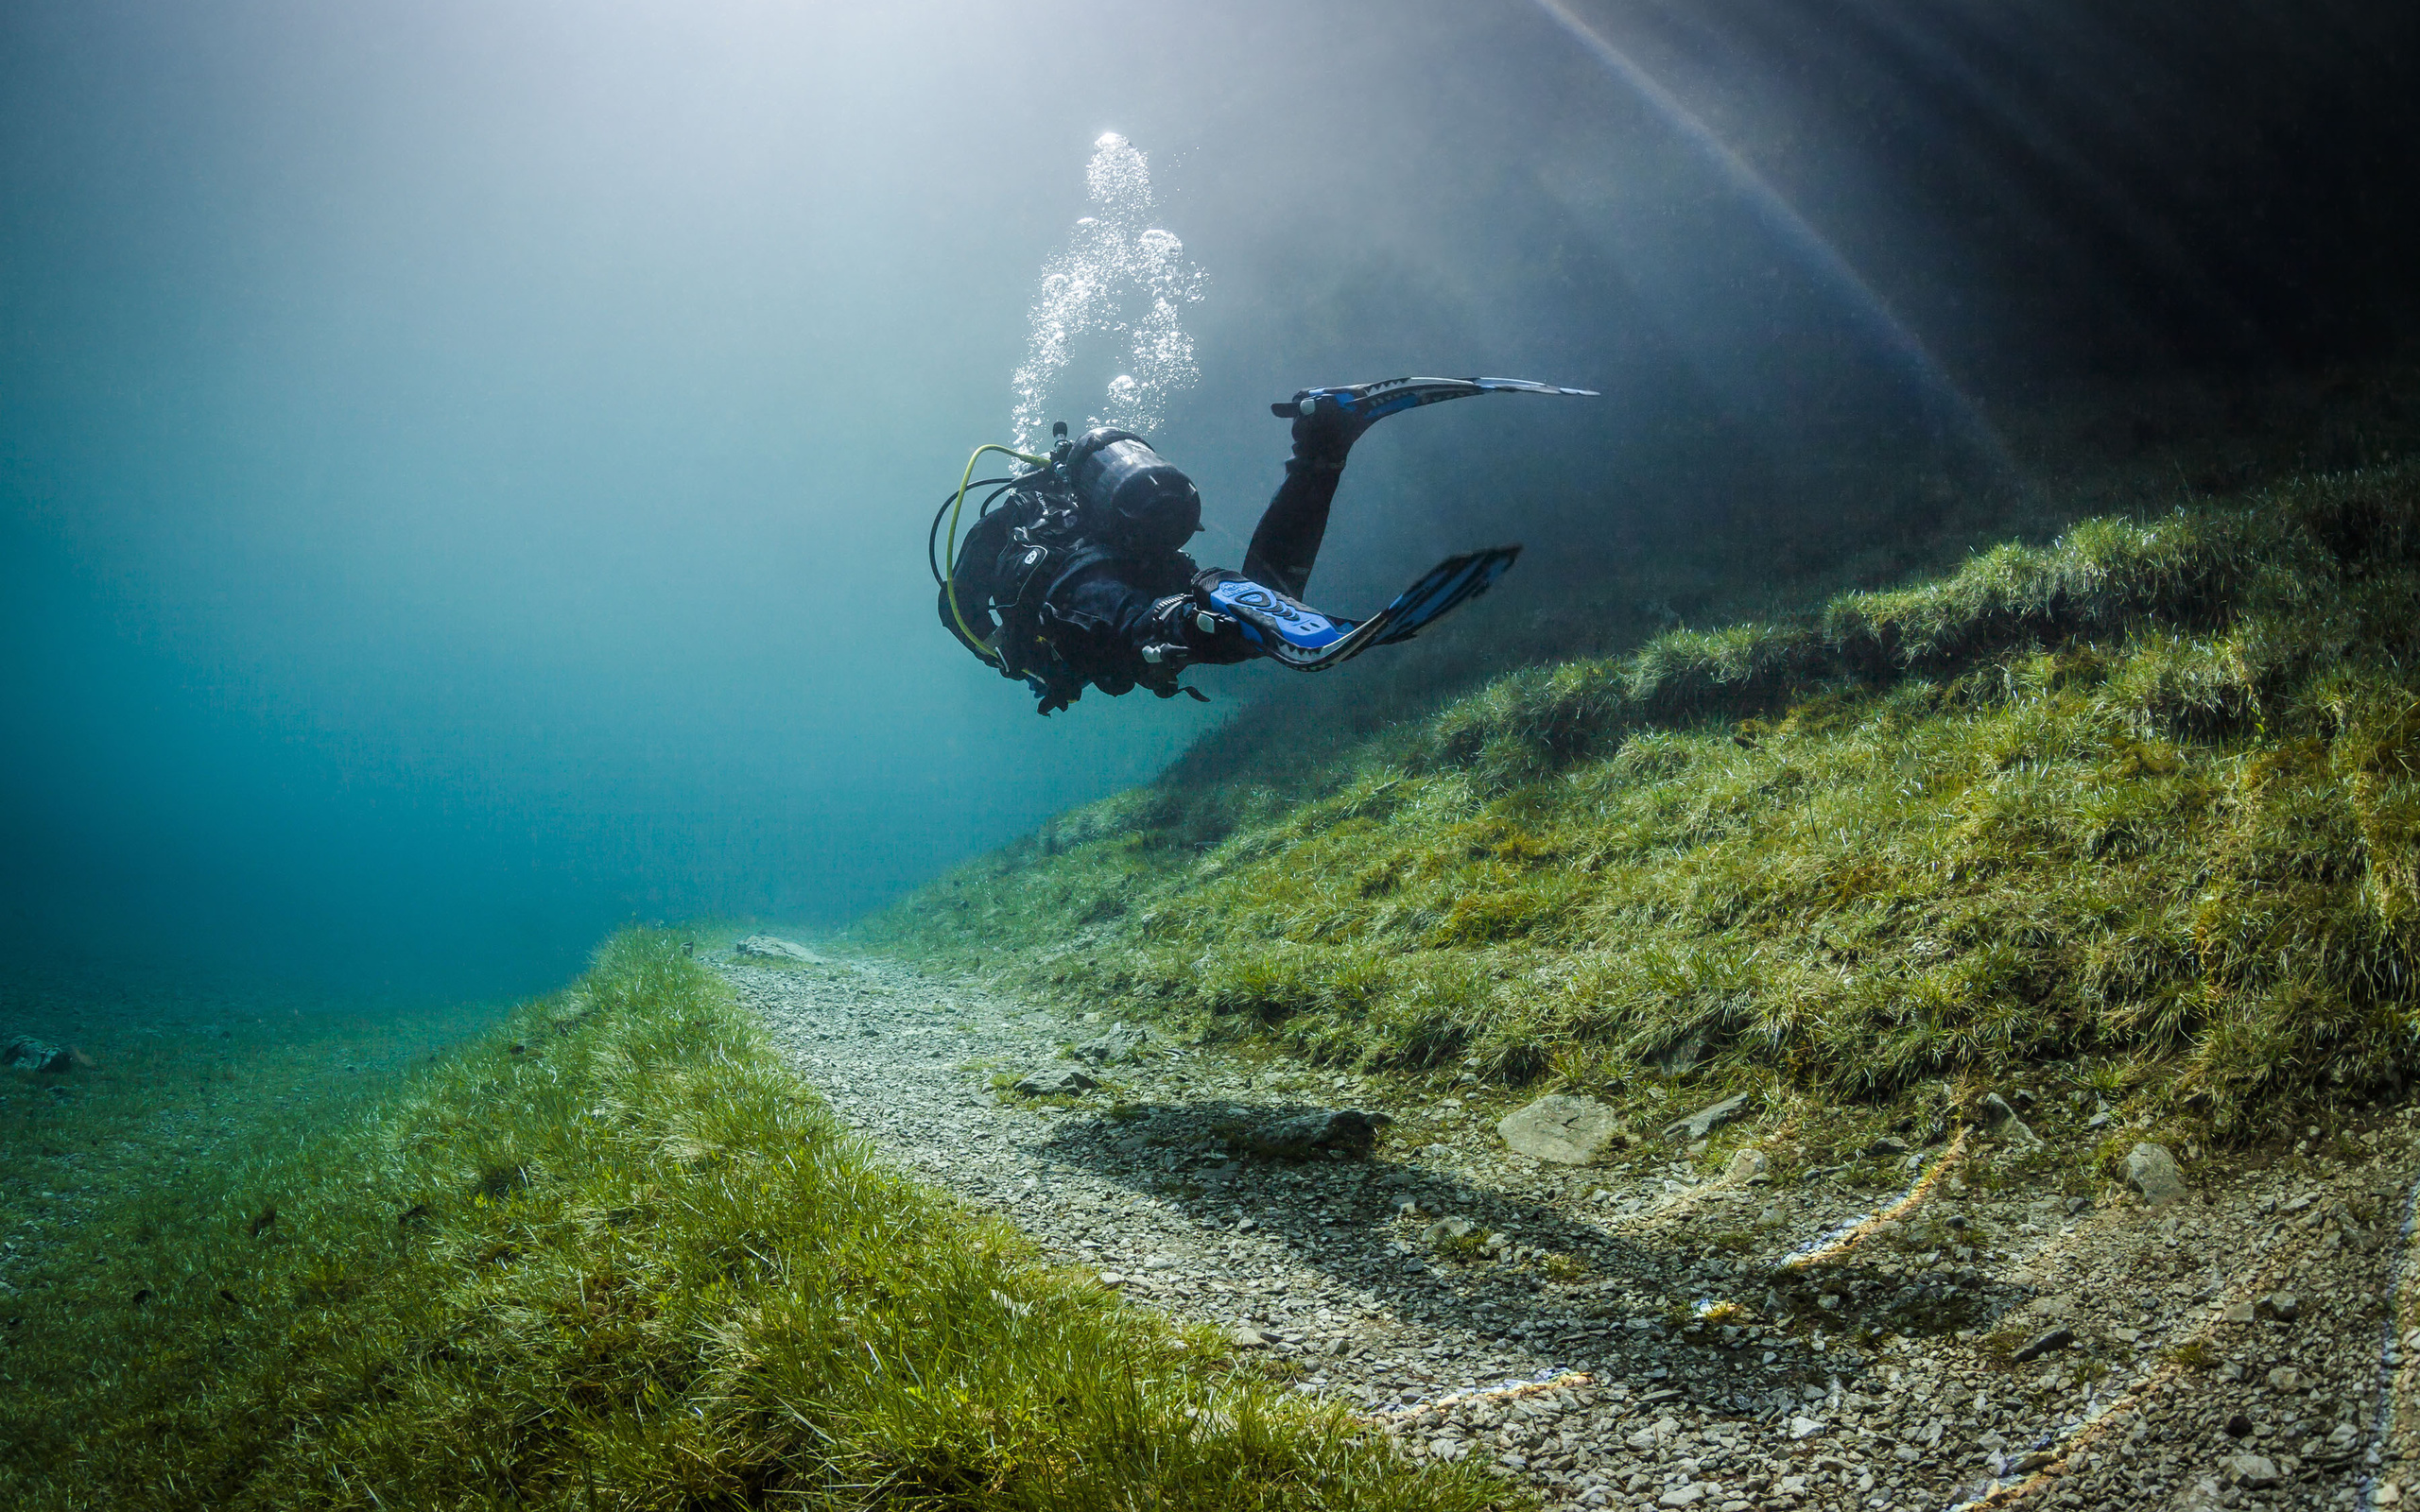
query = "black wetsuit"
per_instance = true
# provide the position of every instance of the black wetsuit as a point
(1073, 610)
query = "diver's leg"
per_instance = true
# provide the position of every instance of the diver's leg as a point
(1286, 541)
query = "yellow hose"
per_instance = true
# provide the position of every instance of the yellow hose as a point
(949, 555)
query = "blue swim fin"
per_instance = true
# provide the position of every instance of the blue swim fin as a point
(1296, 635)
(1371, 400)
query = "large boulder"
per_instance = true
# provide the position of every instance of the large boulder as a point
(25, 1053)
(769, 948)
(1567, 1130)
(1307, 1136)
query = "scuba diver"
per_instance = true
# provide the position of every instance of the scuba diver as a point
(1073, 571)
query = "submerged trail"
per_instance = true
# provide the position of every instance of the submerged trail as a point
(1644, 1335)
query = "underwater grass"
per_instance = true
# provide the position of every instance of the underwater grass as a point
(615, 1257)
(2148, 794)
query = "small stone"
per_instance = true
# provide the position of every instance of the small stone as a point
(768, 948)
(2283, 1306)
(2249, 1470)
(1747, 1165)
(1445, 1229)
(1999, 1121)
(1689, 1495)
(1709, 1118)
(1884, 1147)
(1111, 1280)
(1056, 1081)
(2386, 1495)
(1804, 1427)
(1244, 1337)
(2238, 1313)
(2285, 1378)
(1123, 1042)
(2151, 1171)
(2078, 1205)
(1567, 1130)
(2043, 1344)
(2239, 1425)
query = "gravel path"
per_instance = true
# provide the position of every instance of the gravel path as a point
(1919, 1329)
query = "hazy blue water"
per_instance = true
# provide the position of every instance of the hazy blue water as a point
(463, 465)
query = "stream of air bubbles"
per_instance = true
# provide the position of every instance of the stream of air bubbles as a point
(1106, 318)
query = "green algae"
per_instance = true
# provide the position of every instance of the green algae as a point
(2147, 797)
(615, 1255)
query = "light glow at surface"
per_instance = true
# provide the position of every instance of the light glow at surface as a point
(1813, 251)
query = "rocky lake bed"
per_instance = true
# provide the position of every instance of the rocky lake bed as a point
(1695, 1315)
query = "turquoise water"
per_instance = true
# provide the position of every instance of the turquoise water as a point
(461, 466)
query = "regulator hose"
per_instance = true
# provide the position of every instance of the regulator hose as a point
(950, 583)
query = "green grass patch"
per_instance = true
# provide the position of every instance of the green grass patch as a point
(614, 1256)
(2144, 799)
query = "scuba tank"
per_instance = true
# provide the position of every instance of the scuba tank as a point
(1128, 495)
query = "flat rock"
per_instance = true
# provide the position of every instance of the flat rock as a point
(769, 948)
(2249, 1470)
(1567, 1130)
(25, 1053)
(1709, 1118)
(2042, 1344)
(1445, 1229)
(1306, 1136)
(1124, 1041)
(2151, 1171)
(1055, 1081)
(1747, 1165)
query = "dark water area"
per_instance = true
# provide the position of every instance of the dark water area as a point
(463, 466)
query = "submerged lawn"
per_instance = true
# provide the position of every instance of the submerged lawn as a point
(618, 1258)
(2145, 800)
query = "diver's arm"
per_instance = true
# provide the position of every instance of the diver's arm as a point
(1286, 543)
(1106, 626)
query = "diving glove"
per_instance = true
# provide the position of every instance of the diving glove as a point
(1184, 633)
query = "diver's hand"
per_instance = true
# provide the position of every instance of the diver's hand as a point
(1185, 633)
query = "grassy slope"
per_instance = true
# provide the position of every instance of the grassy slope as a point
(615, 1257)
(2145, 800)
